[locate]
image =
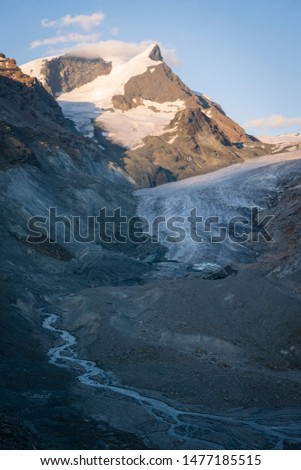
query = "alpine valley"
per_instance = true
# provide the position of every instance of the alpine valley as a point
(158, 344)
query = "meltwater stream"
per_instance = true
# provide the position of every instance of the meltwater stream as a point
(183, 429)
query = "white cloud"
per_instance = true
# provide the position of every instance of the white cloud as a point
(65, 39)
(85, 22)
(275, 121)
(119, 50)
(69, 40)
(122, 51)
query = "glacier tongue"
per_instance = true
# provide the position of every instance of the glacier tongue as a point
(230, 192)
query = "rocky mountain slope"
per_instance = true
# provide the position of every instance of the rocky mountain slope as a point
(167, 131)
(46, 163)
(178, 348)
(27, 113)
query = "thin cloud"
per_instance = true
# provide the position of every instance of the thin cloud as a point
(115, 31)
(85, 22)
(65, 39)
(112, 49)
(121, 51)
(88, 45)
(275, 121)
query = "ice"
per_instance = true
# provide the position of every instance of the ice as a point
(225, 193)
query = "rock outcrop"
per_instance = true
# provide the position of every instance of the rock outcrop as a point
(28, 114)
(63, 74)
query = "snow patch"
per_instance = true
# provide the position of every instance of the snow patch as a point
(82, 114)
(287, 142)
(211, 267)
(34, 68)
(129, 128)
(208, 113)
(172, 140)
(279, 139)
(206, 97)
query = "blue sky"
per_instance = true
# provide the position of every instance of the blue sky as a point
(244, 54)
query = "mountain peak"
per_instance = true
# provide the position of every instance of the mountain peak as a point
(155, 53)
(9, 69)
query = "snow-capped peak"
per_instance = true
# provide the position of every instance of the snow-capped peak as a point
(124, 93)
(96, 97)
(154, 53)
(101, 90)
